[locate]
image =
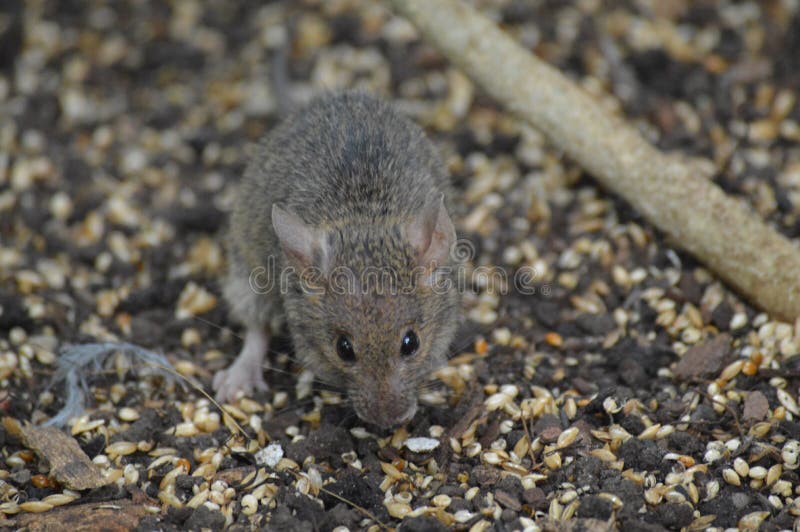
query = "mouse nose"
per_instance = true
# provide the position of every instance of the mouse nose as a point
(396, 412)
(385, 402)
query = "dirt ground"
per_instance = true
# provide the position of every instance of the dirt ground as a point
(626, 388)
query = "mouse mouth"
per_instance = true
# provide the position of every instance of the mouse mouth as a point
(386, 415)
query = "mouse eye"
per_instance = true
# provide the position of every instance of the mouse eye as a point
(345, 349)
(410, 344)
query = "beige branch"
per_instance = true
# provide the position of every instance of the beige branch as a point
(720, 231)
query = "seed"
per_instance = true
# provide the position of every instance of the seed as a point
(45, 356)
(775, 502)
(760, 429)
(121, 448)
(169, 478)
(567, 437)
(782, 487)
(404, 497)
(741, 467)
(650, 432)
(616, 502)
(752, 521)
(789, 453)
(186, 429)
(719, 403)
(26, 455)
(183, 462)
(128, 414)
(470, 493)
(491, 458)
(249, 504)
(501, 336)
(391, 471)
(604, 455)
(568, 496)
(214, 507)
(249, 406)
(750, 368)
(730, 476)
(611, 405)
(758, 472)
(554, 339)
(441, 500)
(59, 499)
(473, 449)
(131, 474)
(497, 401)
(733, 444)
(552, 459)
(556, 510)
(462, 516)
(398, 510)
(738, 321)
(569, 511)
(778, 382)
(570, 408)
(665, 431)
(675, 497)
(190, 337)
(691, 336)
(481, 346)
(694, 494)
(773, 474)
(280, 400)
(731, 370)
(788, 401)
(35, 506)
(200, 498)
(193, 301)
(455, 445)
(712, 489)
(653, 496)
(41, 481)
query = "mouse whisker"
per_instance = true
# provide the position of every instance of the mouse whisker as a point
(459, 347)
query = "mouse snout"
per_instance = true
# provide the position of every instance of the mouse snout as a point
(385, 402)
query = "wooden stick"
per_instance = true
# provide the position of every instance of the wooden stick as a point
(722, 232)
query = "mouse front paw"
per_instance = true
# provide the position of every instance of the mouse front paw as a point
(243, 377)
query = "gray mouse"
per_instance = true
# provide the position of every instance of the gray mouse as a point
(341, 232)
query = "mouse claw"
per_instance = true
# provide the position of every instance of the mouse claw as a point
(240, 377)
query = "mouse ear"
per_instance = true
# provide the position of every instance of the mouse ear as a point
(305, 246)
(431, 233)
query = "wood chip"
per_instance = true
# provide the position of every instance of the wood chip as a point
(756, 407)
(68, 463)
(704, 360)
(117, 516)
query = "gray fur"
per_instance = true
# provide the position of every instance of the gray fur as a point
(352, 168)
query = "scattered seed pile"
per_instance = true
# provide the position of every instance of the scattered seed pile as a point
(619, 384)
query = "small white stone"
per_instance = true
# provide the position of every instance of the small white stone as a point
(269, 455)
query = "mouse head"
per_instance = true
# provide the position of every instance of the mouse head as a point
(372, 309)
